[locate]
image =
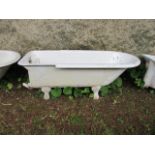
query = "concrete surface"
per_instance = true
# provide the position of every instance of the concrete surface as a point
(133, 36)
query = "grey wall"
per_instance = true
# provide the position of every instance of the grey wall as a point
(133, 36)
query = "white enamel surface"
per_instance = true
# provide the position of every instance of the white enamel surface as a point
(80, 59)
(94, 69)
(149, 77)
(51, 76)
(7, 58)
(149, 57)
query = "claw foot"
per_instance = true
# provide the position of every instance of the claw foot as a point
(96, 90)
(46, 91)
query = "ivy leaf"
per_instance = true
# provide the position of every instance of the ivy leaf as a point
(68, 91)
(86, 91)
(9, 86)
(119, 82)
(77, 92)
(139, 82)
(56, 92)
(104, 91)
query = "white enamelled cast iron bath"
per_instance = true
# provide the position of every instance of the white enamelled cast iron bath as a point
(7, 58)
(149, 78)
(75, 68)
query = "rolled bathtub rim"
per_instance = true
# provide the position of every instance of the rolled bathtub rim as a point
(17, 57)
(149, 57)
(80, 65)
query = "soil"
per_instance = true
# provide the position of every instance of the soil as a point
(22, 111)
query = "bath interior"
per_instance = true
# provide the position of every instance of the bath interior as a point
(80, 58)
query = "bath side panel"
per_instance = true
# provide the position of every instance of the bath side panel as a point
(149, 78)
(52, 77)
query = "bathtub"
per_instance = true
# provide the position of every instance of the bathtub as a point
(7, 58)
(149, 78)
(75, 68)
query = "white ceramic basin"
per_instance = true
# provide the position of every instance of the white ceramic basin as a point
(7, 58)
